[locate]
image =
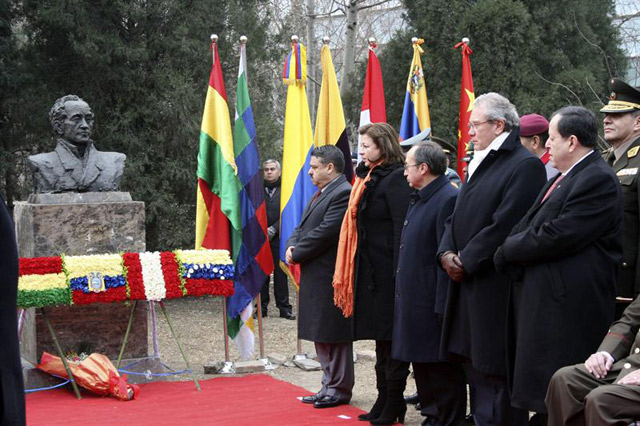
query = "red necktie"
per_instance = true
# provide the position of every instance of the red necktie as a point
(552, 187)
(316, 196)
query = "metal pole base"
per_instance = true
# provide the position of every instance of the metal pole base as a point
(298, 357)
(227, 368)
(267, 364)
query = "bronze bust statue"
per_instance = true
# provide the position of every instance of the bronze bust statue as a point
(75, 165)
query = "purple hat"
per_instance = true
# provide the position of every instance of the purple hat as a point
(533, 124)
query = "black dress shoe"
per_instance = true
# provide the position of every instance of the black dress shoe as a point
(287, 315)
(412, 399)
(309, 399)
(328, 401)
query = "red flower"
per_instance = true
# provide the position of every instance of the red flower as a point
(118, 294)
(40, 265)
(171, 275)
(201, 287)
(134, 276)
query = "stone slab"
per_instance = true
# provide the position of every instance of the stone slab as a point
(307, 364)
(277, 359)
(249, 367)
(79, 198)
(366, 355)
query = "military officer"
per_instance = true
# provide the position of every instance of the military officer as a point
(622, 133)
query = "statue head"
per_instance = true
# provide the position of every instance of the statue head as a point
(71, 119)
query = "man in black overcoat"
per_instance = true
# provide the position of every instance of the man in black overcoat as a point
(564, 259)
(314, 245)
(12, 410)
(421, 289)
(622, 132)
(272, 187)
(504, 180)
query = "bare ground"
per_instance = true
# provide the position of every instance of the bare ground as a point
(198, 323)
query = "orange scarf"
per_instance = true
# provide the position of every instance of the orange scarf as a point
(347, 246)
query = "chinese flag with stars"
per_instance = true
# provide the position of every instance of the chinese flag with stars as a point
(466, 105)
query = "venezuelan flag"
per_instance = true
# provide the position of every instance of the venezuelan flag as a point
(330, 124)
(254, 262)
(416, 123)
(297, 188)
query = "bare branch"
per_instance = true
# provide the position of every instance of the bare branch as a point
(604, 54)
(561, 85)
(369, 6)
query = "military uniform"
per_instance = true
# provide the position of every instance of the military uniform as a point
(627, 169)
(626, 99)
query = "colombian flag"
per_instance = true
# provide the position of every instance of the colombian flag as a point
(415, 115)
(466, 104)
(330, 124)
(373, 105)
(297, 188)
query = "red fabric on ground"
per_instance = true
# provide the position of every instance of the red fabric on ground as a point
(249, 400)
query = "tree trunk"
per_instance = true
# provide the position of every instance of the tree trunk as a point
(349, 45)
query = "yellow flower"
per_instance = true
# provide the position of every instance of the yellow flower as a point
(204, 257)
(42, 282)
(81, 266)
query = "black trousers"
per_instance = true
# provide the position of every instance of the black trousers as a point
(280, 286)
(492, 402)
(387, 368)
(442, 391)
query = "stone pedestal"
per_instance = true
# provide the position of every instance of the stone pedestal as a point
(81, 224)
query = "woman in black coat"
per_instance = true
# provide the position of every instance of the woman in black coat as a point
(380, 217)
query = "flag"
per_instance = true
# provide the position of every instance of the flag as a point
(466, 104)
(373, 106)
(297, 188)
(254, 263)
(416, 123)
(331, 128)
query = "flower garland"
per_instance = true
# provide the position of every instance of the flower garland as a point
(64, 280)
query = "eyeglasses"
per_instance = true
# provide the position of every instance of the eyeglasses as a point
(406, 166)
(477, 124)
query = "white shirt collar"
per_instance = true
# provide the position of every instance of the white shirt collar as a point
(577, 162)
(479, 156)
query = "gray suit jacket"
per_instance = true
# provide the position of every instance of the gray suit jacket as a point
(315, 242)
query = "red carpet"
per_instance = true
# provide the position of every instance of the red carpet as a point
(250, 400)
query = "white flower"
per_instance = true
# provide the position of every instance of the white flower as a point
(152, 276)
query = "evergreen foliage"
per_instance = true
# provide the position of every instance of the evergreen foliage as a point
(143, 67)
(541, 54)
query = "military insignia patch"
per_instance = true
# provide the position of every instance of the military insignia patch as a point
(633, 152)
(612, 96)
(628, 172)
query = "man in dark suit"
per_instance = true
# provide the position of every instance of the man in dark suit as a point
(314, 245)
(421, 289)
(503, 181)
(564, 259)
(12, 411)
(605, 390)
(622, 132)
(75, 164)
(272, 184)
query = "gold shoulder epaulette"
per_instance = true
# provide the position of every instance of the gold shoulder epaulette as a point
(633, 151)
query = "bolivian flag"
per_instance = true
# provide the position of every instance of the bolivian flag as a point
(415, 115)
(218, 221)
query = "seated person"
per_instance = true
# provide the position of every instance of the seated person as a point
(605, 390)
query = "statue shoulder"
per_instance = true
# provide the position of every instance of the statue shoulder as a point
(45, 159)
